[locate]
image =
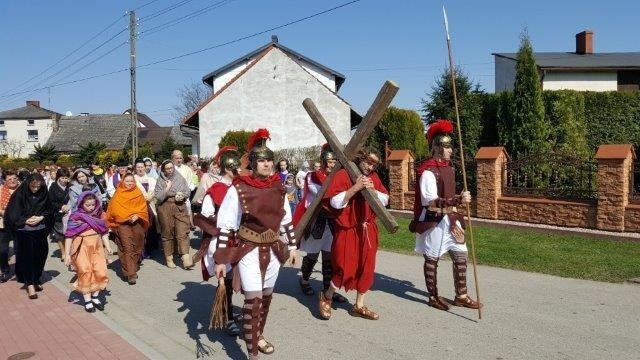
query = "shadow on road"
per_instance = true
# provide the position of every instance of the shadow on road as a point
(196, 299)
(287, 284)
(401, 288)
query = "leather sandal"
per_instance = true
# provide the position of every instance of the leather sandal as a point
(306, 288)
(438, 303)
(267, 348)
(363, 312)
(324, 306)
(466, 302)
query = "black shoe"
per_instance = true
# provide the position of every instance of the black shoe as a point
(99, 306)
(39, 287)
(90, 309)
(4, 277)
(131, 281)
(33, 296)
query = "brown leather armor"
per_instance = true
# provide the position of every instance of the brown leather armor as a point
(260, 224)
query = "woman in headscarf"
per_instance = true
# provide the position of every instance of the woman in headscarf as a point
(29, 215)
(172, 192)
(59, 196)
(81, 181)
(87, 237)
(127, 216)
(147, 185)
(9, 186)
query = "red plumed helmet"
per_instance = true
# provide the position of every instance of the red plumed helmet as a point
(224, 150)
(260, 134)
(439, 127)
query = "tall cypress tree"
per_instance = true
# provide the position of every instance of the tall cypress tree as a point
(531, 129)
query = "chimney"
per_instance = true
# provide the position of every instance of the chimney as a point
(56, 122)
(584, 42)
(274, 39)
(35, 103)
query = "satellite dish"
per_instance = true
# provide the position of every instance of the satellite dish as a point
(68, 113)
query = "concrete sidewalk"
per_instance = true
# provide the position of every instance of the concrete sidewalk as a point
(526, 316)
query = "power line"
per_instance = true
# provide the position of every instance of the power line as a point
(186, 17)
(250, 36)
(143, 5)
(165, 10)
(87, 54)
(180, 56)
(67, 56)
(68, 82)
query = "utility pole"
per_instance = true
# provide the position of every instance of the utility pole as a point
(132, 70)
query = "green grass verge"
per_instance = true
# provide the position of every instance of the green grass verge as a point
(562, 255)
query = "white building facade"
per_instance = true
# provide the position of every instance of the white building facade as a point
(23, 128)
(267, 92)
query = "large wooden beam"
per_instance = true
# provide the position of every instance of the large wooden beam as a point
(369, 122)
(370, 195)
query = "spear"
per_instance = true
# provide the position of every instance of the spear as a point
(464, 172)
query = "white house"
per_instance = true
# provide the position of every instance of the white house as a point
(23, 128)
(580, 70)
(265, 88)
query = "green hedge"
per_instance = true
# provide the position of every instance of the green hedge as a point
(579, 121)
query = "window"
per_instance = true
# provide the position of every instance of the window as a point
(3, 135)
(1, 123)
(31, 122)
(32, 135)
(628, 80)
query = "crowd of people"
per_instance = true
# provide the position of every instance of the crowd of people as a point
(246, 208)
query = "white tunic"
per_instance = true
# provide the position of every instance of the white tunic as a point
(309, 244)
(229, 217)
(438, 240)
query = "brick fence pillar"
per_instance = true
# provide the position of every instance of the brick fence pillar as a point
(399, 165)
(490, 162)
(614, 167)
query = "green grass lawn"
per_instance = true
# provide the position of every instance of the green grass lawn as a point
(562, 255)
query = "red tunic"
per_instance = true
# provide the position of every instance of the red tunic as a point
(355, 241)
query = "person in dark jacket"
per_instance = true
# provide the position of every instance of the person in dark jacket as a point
(30, 216)
(59, 196)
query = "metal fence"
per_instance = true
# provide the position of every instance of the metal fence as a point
(634, 183)
(551, 175)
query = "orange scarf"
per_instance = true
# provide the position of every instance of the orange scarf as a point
(5, 195)
(126, 203)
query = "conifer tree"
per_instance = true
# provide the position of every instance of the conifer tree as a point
(531, 130)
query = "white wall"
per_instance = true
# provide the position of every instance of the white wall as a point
(270, 95)
(324, 76)
(223, 78)
(505, 73)
(17, 133)
(583, 81)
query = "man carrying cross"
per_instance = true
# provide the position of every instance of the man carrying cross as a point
(437, 223)
(355, 242)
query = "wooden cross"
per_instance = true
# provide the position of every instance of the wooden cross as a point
(369, 122)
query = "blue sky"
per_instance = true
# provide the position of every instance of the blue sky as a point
(368, 41)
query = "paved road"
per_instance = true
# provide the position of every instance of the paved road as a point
(526, 316)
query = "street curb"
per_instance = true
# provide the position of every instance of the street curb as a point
(127, 336)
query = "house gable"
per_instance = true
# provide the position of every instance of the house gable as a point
(269, 93)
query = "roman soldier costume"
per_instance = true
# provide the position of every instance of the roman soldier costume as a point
(228, 160)
(437, 224)
(320, 236)
(255, 212)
